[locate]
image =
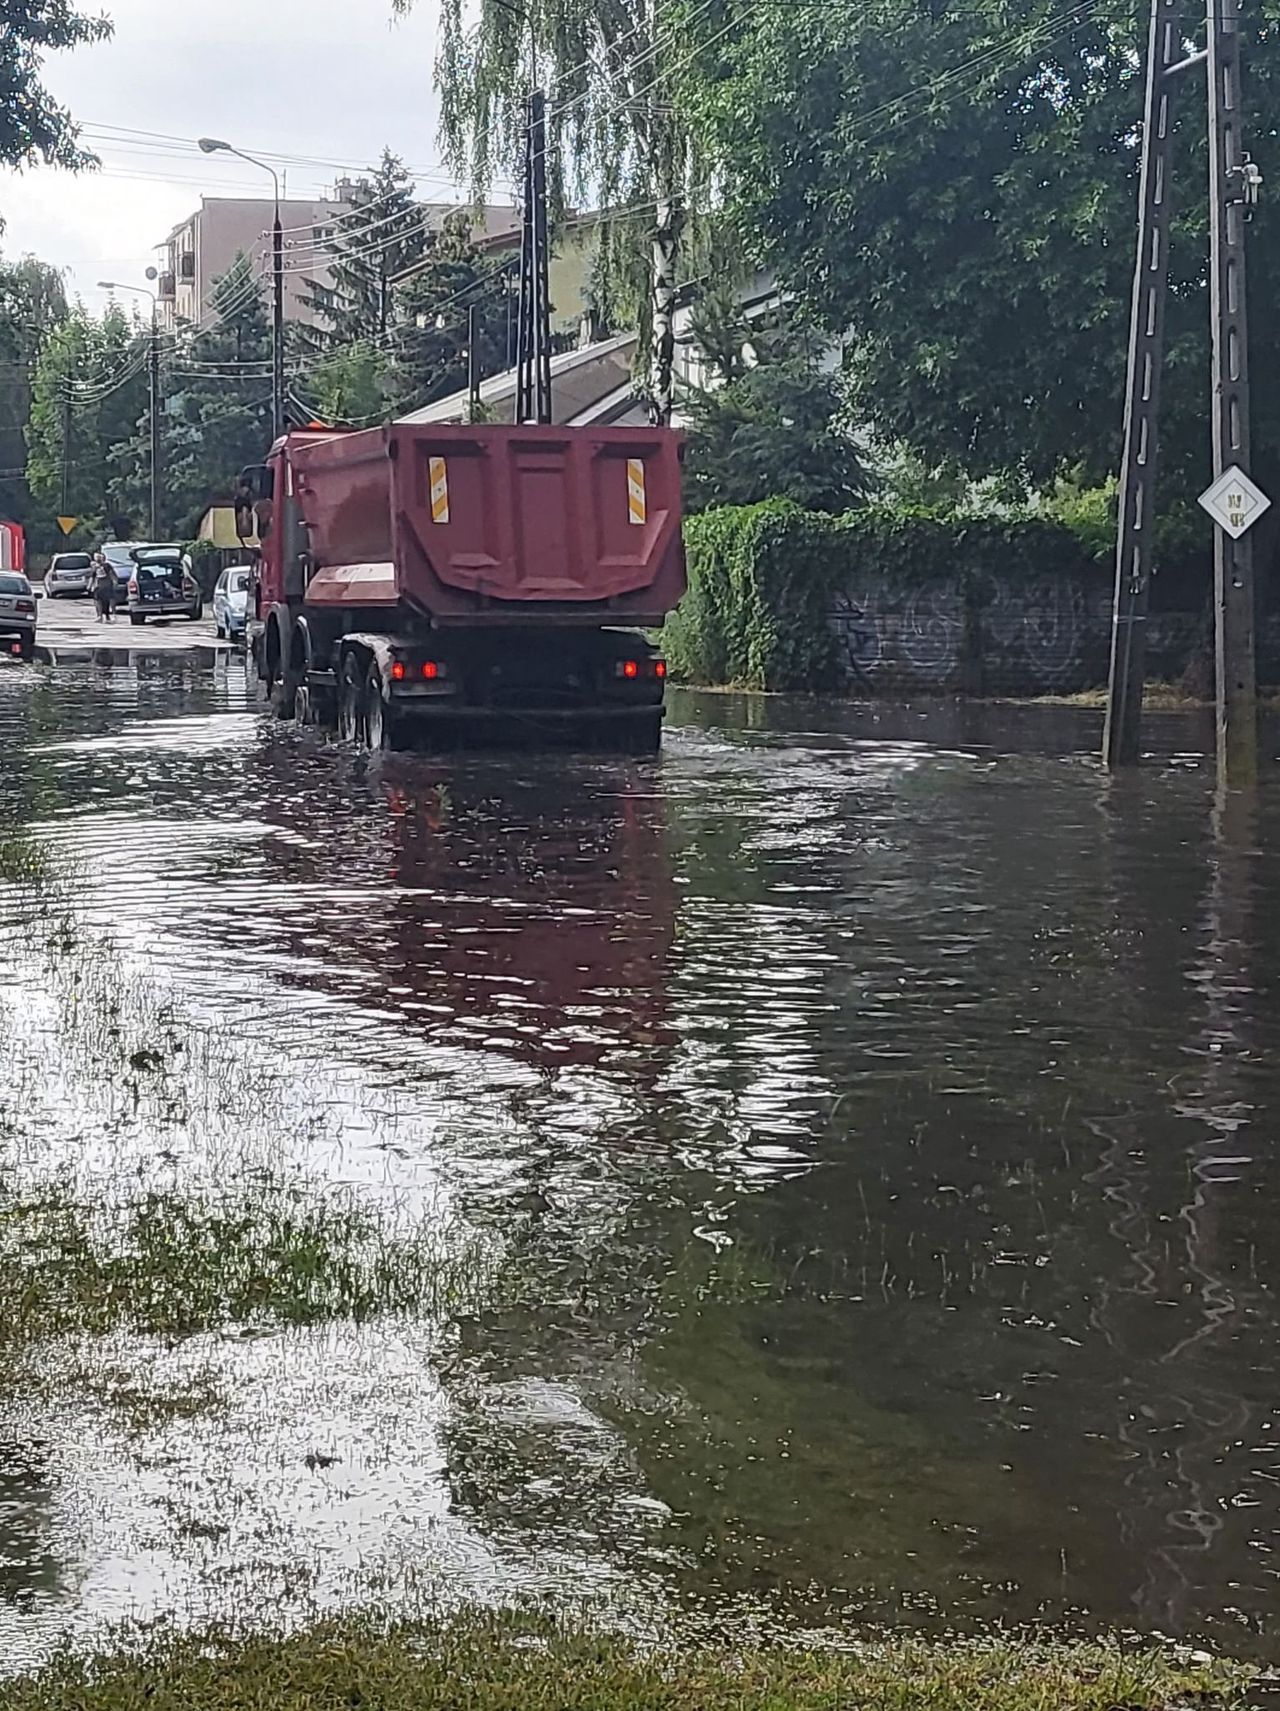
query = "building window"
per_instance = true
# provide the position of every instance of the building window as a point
(187, 265)
(321, 234)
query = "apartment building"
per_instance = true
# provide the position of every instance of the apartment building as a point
(199, 250)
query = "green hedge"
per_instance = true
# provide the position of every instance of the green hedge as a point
(761, 582)
(763, 578)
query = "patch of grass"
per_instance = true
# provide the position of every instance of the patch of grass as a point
(1156, 697)
(265, 1253)
(142, 1407)
(512, 1663)
(23, 861)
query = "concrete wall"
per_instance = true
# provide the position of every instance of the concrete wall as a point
(1029, 635)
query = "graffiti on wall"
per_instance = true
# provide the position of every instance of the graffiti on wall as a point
(1009, 636)
(857, 639)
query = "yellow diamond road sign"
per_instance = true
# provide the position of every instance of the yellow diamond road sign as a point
(1234, 502)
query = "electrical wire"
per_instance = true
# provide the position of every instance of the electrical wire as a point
(1034, 35)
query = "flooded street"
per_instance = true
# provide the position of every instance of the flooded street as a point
(825, 1171)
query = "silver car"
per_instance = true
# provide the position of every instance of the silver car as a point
(17, 615)
(69, 573)
(231, 603)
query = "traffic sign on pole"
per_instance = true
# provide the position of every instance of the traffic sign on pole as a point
(1234, 502)
(66, 524)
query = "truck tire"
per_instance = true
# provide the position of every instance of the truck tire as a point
(643, 736)
(283, 696)
(350, 698)
(379, 718)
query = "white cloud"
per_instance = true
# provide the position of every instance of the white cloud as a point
(330, 79)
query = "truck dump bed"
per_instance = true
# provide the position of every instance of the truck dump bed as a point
(496, 524)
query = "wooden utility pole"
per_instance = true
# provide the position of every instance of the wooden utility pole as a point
(1233, 182)
(1121, 743)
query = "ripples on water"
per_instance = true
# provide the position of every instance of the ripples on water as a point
(875, 1106)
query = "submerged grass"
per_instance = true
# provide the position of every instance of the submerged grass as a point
(193, 1232)
(265, 1253)
(487, 1662)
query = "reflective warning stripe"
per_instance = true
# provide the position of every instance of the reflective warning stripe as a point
(439, 491)
(637, 507)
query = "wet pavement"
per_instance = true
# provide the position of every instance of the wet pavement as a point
(865, 1117)
(70, 632)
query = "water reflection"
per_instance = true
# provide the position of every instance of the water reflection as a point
(867, 1101)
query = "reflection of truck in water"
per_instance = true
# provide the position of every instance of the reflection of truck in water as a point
(421, 579)
(529, 916)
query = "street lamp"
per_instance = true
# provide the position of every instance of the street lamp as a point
(154, 390)
(215, 145)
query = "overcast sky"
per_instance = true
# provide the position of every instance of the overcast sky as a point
(328, 79)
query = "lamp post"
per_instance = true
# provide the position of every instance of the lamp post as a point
(215, 145)
(153, 390)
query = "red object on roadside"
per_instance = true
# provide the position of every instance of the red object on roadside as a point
(13, 547)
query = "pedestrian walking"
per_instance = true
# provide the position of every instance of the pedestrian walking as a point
(104, 588)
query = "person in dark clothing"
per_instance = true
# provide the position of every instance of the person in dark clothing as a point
(104, 588)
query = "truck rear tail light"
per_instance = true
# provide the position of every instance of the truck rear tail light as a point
(629, 668)
(397, 670)
(659, 668)
(430, 669)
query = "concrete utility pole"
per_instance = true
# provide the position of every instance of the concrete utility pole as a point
(1233, 183)
(533, 389)
(66, 448)
(1121, 743)
(215, 145)
(155, 401)
(473, 363)
(1232, 500)
(153, 389)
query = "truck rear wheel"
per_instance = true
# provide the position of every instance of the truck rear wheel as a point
(379, 719)
(642, 736)
(349, 698)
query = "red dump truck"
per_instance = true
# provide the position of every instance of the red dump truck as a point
(425, 580)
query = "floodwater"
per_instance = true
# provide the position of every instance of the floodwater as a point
(867, 1117)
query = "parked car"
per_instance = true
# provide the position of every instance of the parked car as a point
(69, 573)
(17, 615)
(231, 603)
(119, 555)
(163, 585)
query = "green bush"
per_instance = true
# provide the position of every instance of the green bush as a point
(761, 583)
(763, 580)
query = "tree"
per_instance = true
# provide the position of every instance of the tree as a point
(612, 120)
(774, 432)
(954, 190)
(216, 411)
(32, 303)
(100, 365)
(381, 236)
(349, 386)
(32, 125)
(431, 347)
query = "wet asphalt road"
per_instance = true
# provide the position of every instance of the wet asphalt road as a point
(69, 627)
